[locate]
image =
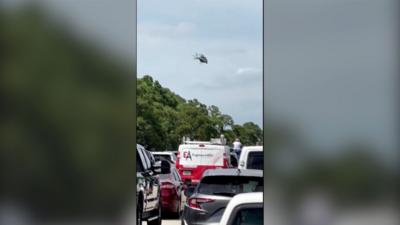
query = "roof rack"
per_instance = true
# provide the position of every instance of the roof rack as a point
(197, 142)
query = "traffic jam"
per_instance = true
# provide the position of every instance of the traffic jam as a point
(203, 182)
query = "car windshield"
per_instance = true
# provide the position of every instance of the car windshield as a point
(162, 157)
(165, 176)
(229, 185)
(250, 216)
(139, 166)
(255, 160)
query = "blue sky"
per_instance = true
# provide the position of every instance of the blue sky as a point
(330, 65)
(228, 32)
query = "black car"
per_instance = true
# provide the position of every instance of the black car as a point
(206, 203)
(148, 189)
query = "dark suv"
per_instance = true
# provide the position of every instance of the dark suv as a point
(148, 205)
(207, 202)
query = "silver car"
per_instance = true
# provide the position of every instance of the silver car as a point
(208, 200)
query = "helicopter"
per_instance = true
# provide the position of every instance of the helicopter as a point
(201, 58)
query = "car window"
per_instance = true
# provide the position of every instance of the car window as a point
(176, 175)
(143, 159)
(150, 157)
(255, 160)
(173, 156)
(162, 157)
(165, 176)
(179, 176)
(139, 166)
(249, 216)
(173, 174)
(229, 185)
(146, 155)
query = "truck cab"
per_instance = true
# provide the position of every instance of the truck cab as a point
(195, 157)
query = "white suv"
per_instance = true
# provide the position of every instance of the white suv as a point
(251, 157)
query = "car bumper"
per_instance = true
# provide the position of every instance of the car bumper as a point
(169, 206)
(192, 216)
(169, 201)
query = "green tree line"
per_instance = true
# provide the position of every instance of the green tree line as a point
(164, 117)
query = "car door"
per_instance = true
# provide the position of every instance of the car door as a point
(146, 178)
(179, 187)
(177, 181)
(154, 184)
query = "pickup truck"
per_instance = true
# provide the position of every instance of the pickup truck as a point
(148, 194)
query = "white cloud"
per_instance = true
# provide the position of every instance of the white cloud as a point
(247, 70)
(171, 30)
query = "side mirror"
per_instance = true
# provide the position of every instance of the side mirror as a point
(241, 163)
(157, 167)
(165, 167)
(189, 191)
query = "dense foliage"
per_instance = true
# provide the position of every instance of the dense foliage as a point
(164, 117)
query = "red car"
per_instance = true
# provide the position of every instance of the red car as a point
(171, 192)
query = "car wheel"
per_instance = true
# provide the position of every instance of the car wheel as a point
(176, 214)
(158, 220)
(139, 213)
(179, 211)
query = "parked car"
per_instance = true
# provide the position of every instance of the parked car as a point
(170, 156)
(148, 187)
(197, 156)
(244, 209)
(207, 201)
(171, 192)
(252, 157)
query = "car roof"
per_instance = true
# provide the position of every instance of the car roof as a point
(162, 153)
(244, 198)
(232, 172)
(252, 148)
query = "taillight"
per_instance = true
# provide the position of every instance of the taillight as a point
(225, 160)
(195, 202)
